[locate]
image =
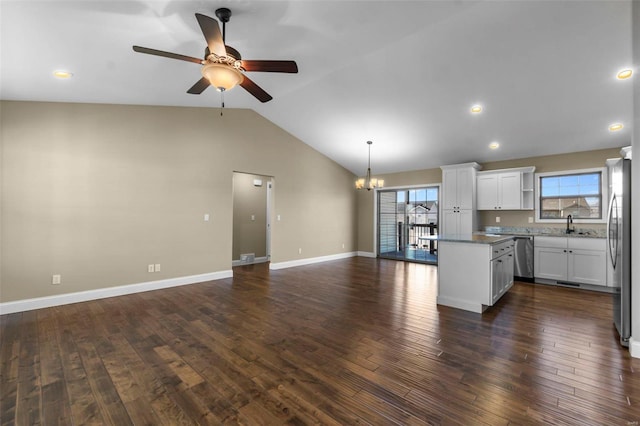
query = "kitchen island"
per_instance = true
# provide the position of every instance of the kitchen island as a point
(474, 271)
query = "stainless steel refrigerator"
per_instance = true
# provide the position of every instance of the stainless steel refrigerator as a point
(619, 243)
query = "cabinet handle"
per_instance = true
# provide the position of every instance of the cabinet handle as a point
(570, 251)
(499, 260)
(510, 255)
(564, 251)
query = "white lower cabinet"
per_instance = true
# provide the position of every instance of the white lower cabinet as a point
(571, 259)
(549, 262)
(587, 266)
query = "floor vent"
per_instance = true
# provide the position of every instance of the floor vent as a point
(248, 257)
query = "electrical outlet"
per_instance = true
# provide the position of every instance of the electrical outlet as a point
(299, 251)
(157, 267)
(530, 219)
(56, 279)
(278, 218)
(150, 268)
(342, 245)
(206, 217)
(497, 219)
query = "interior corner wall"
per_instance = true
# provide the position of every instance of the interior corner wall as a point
(95, 193)
(635, 183)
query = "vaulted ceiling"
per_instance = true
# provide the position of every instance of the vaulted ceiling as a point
(402, 74)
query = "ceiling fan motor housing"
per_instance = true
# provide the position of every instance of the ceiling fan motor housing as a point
(223, 14)
(231, 52)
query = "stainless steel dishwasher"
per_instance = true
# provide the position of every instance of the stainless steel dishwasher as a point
(523, 258)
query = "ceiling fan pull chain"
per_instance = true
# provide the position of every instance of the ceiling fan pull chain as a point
(221, 101)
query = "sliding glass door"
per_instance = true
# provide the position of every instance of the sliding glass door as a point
(408, 224)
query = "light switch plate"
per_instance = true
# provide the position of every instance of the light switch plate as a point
(497, 219)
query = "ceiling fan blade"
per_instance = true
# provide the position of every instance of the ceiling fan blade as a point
(199, 87)
(211, 31)
(270, 66)
(167, 54)
(255, 90)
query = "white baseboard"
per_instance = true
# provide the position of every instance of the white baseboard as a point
(309, 261)
(366, 254)
(263, 259)
(460, 304)
(102, 293)
(634, 347)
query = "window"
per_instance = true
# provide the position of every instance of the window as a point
(579, 193)
(408, 224)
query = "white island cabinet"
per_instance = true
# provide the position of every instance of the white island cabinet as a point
(474, 271)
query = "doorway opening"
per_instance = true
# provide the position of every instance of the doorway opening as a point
(251, 218)
(408, 224)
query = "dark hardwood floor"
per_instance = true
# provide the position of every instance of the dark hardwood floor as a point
(355, 341)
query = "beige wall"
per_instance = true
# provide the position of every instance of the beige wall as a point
(97, 192)
(249, 215)
(551, 163)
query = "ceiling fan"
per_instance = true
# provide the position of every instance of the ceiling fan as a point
(223, 66)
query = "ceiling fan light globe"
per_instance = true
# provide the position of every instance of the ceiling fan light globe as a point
(222, 77)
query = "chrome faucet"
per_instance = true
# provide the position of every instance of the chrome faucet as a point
(570, 222)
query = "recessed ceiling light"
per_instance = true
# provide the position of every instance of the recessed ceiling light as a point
(624, 74)
(494, 145)
(476, 109)
(62, 74)
(615, 127)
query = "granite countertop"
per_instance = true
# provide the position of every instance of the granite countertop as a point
(545, 231)
(475, 238)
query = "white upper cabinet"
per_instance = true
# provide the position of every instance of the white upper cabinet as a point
(458, 186)
(449, 189)
(487, 191)
(458, 198)
(504, 189)
(509, 191)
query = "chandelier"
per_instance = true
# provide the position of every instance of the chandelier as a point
(367, 181)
